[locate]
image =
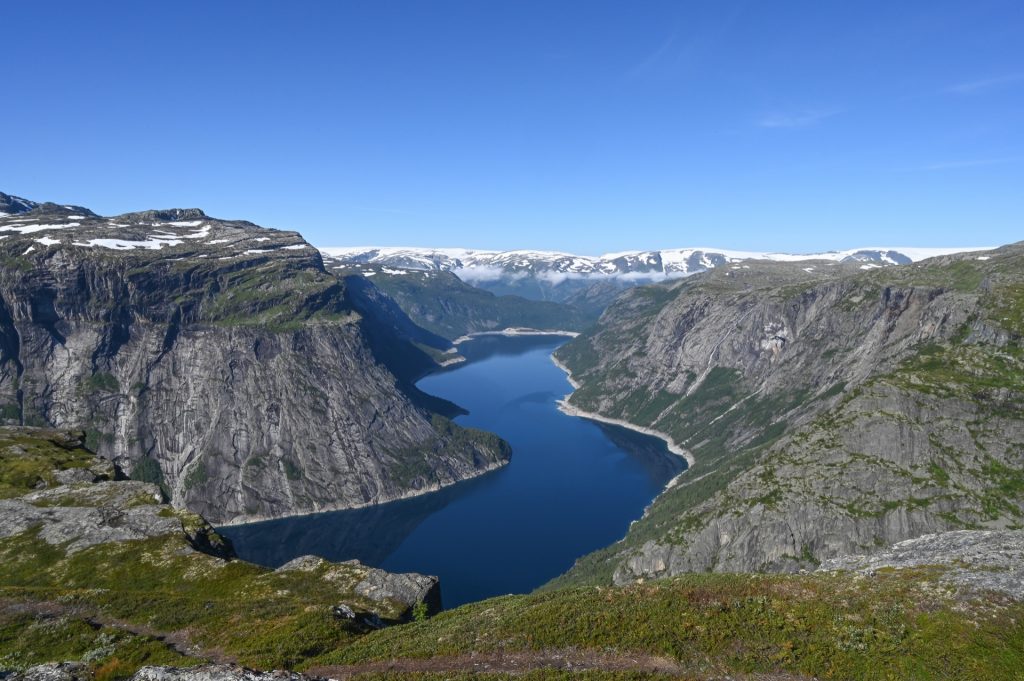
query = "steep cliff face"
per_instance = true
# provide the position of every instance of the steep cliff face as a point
(220, 360)
(830, 410)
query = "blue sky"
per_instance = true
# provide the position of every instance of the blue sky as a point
(579, 126)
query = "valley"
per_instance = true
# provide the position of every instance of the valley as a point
(766, 442)
(572, 487)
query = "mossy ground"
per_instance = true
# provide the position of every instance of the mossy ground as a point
(897, 625)
(29, 459)
(161, 587)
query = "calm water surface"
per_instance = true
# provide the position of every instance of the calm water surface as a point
(573, 486)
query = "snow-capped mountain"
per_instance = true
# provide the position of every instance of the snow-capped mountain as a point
(548, 275)
(482, 265)
(29, 229)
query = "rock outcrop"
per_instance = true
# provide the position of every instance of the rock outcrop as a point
(408, 588)
(213, 672)
(973, 560)
(220, 361)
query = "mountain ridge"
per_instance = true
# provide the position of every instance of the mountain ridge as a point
(829, 411)
(221, 360)
(588, 283)
(668, 261)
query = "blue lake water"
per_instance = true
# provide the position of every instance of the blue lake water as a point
(573, 486)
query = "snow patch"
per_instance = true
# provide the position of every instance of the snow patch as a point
(31, 229)
(127, 245)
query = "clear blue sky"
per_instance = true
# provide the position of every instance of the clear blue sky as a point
(581, 126)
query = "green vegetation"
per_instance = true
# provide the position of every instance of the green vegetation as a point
(160, 586)
(29, 459)
(197, 475)
(827, 626)
(276, 296)
(147, 469)
(737, 421)
(419, 463)
(291, 469)
(94, 439)
(102, 381)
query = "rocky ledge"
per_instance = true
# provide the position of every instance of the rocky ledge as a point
(971, 560)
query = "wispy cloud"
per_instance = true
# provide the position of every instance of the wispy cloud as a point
(978, 86)
(968, 163)
(686, 45)
(798, 119)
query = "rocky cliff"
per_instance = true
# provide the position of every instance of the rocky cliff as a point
(219, 360)
(830, 409)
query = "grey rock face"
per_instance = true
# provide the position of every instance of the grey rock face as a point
(212, 673)
(55, 671)
(974, 560)
(89, 516)
(219, 360)
(409, 588)
(13, 205)
(830, 411)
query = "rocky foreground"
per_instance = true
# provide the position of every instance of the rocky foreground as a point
(100, 580)
(96, 568)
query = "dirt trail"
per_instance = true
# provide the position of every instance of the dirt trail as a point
(179, 641)
(525, 661)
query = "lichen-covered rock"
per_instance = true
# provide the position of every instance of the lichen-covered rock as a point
(409, 588)
(218, 672)
(79, 527)
(55, 671)
(405, 589)
(976, 560)
(303, 564)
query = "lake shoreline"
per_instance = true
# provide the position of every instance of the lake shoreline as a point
(511, 331)
(572, 410)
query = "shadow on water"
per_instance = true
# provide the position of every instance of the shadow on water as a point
(650, 452)
(368, 534)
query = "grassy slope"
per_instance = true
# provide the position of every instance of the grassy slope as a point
(30, 460)
(120, 605)
(898, 625)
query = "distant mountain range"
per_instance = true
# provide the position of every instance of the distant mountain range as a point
(547, 275)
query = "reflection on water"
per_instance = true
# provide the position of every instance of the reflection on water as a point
(573, 486)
